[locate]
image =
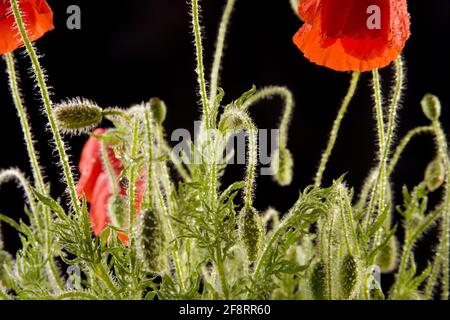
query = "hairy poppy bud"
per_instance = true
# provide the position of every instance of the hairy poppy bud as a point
(431, 107)
(349, 276)
(435, 174)
(282, 167)
(118, 211)
(387, 258)
(150, 237)
(233, 121)
(78, 115)
(251, 232)
(318, 281)
(159, 109)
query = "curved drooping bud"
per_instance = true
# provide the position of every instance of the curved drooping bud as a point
(318, 281)
(387, 259)
(159, 109)
(150, 240)
(251, 232)
(349, 276)
(435, 174)
(282, 167)
(78, 116)
(431, 107)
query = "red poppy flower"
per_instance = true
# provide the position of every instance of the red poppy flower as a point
(353, 35)
(38, 19)
(94, 184)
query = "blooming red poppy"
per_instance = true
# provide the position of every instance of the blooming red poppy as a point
(353, 35)
(38, 19)
(94, 183)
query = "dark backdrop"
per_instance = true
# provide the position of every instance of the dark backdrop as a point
(129, 51)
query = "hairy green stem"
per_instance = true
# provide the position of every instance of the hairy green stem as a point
(197, 30)
(26, 128)
(218, 55)
(336, 127)
(270, 92)
(40, 78)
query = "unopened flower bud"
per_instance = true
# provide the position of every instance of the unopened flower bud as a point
(282, 167)
(78, 115)
(159, 109)
(349, 276)
(118, 211)
(150, 237)
(318, 281)
(251, 232)
(431, 107)
(387, 259)
(435, 174)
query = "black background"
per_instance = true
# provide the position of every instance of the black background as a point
(129, 51)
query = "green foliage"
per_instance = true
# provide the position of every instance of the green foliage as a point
(195, 237)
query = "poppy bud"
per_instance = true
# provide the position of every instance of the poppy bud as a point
(159, 109)
(318, 281)
(349, 276)
(387, 258)
(282, 167)
(150, 237)
(434, 174)
(232, 122)
(78, 115)
(431, 107)
(117, 211)
(251, 232)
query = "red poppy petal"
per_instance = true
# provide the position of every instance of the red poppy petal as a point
(307, 9)
(99, 205)
(348, 45)
(90, 166)
(37, 16)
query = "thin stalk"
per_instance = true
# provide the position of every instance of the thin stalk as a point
(336, 127)
(26, 128)
(133, 175)
(197, 30)
(109, 168)
(404, 143)
(330, 260)
(218, 55)
(40, 78)
(444, 243)
(380, 184)
(269, 92)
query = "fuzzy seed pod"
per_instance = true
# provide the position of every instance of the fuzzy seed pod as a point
(150, 237)
(78, 115)
(118, 211)
(251, 232)
(318, 281)
(349, 276)
(159, 109)
(431, 107)
(282, 167)
(387, 259)
(435, 174)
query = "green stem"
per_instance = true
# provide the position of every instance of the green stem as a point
(444, 243)
(218, 55)
(286, 94)
(40, 78)
(221, 271)
(197, 30)
(404, 143)
(381, 178)
(336, 127)
(109, 168)
(32, 153)
(330, 260)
